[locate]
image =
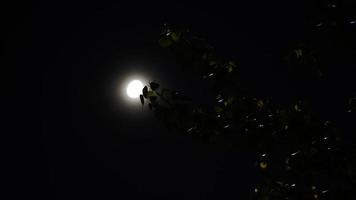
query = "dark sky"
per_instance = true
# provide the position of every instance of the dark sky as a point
(94, 145)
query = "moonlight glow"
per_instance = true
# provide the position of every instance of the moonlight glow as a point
(134, 89)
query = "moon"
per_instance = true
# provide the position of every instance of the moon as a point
(134, 89)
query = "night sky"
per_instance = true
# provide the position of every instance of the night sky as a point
(94, 144)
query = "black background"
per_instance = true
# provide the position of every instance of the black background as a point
(95, 145)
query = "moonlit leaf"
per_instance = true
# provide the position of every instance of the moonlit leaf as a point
(298, 53)
(295, 153)
(166, 30)
(151, 94)
(165, 42)
(319, 24)
(227, 126)
(260, 103)
(229, 69)
(231, 66)
(232, 63)
(175, 36)
(296, 108)
(263, 165)
(218, 109)
(326, 123)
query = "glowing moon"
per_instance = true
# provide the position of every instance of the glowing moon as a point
(134, 89)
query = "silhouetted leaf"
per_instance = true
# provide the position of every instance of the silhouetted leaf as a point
(144, 91)
(153, 99)
(154, 85)
(142, 99)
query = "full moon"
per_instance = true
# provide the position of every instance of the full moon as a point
(134, 89)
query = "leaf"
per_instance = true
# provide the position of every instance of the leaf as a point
(231, 66)
(298, 53)
(164, 42)
(142, 99)
(175, 36)
(153, 99)
(218, 109)
(230, 100)
(154, 85)
(230, 69)
(263, 165)
(297, 108)
(212, 63)
(145, 91)
(232, 63)
(151, 94)
(165, 93)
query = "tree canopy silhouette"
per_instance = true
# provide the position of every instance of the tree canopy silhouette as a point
(300, 152)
